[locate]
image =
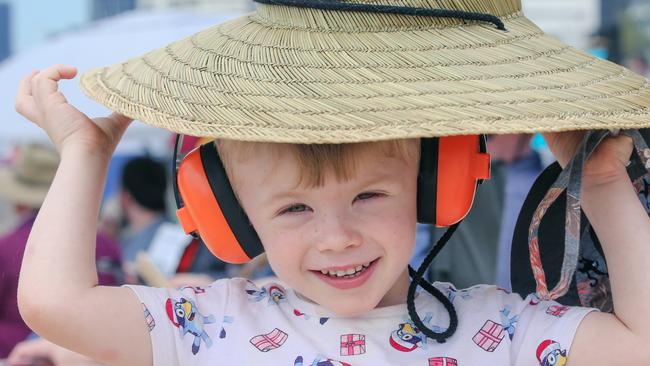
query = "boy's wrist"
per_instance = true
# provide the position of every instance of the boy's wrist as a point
(96, 153)
(604, 181)
(604, 189)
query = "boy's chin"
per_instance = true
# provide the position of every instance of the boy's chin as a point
(349, 307)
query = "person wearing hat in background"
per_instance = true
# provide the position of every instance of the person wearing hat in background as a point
(25, 184)
(327, 116)
(143, 209)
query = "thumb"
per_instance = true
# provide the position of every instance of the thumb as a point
(120, 119)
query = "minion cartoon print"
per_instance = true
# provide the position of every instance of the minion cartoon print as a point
(550, 353)
(185, 316)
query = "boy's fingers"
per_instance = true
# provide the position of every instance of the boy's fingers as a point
(25, 85)
(24, 101)
(120, 118)
(45, 84)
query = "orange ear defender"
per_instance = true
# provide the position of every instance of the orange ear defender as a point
(208, 207)
(450, 168)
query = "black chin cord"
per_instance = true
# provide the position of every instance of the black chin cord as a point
(388, 9)
(418, 279)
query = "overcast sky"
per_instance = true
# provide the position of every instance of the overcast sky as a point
(33, 20)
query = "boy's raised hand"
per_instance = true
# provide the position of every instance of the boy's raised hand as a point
(39, 100)
(606, 163)
(59, 267)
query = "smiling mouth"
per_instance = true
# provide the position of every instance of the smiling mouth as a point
(347, 273)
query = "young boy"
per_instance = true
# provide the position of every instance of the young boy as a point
(337, 222)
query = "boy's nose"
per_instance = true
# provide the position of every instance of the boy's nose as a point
(336, 233)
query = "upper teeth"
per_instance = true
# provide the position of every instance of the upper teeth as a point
(349, 271)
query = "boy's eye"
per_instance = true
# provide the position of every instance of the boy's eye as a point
(295, 209)
(367, 195)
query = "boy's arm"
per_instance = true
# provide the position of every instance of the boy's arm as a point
(623, 228)
(58, 293)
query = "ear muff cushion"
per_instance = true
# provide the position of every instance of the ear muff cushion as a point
(460, 165)
(427, 181)
(449, 170)
(201, 214)
(232, 211)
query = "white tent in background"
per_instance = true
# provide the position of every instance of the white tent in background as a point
(109, 41)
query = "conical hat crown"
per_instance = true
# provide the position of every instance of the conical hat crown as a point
(303, 75)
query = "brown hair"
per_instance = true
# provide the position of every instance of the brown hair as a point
(316, 160)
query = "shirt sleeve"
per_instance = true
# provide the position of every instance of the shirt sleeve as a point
(544, 331)
(183, 322)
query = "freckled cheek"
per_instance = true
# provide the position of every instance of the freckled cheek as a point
(397, 229)
(285, 252)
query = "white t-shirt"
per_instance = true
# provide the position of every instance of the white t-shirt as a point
(233, 322)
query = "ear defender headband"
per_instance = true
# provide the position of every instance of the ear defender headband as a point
(450, 168)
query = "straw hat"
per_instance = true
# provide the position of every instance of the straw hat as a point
(28, 179)
(301, 75)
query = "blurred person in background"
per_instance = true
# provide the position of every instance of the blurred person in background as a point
(142, 202)
(639, 64)
(40, 352)
(24, 184)
(148, 229)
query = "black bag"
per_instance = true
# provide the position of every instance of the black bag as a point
(590, 285)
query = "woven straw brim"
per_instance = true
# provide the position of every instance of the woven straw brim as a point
(250, 80)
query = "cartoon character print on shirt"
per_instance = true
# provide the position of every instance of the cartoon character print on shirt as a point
(353, 344)
(508, 322)
(269, 341)
(151, 323)
(275, 294)
(226, 320)
(490, 335)
(534, 300)
(443, 361)
(452, 293)
(557, 310)
(319, 361)
(196, 289)
(550, 353)
(407, 337)
(299, 313)
(186, 317)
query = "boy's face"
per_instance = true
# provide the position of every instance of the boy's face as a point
(336, 228)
